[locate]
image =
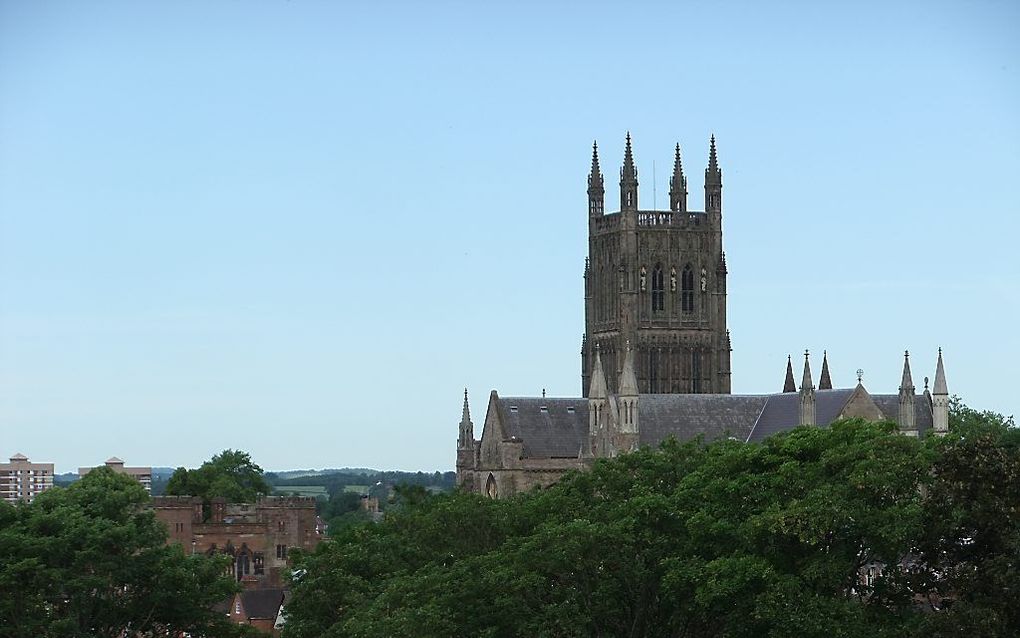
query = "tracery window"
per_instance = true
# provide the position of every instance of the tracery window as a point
(658, 289)
(490, 487)
(687, 290)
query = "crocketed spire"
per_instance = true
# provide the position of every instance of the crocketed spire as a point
(940, 386)
(628, 380)
(805, 383)
(628, 180)
(678, 185)
(598, 390)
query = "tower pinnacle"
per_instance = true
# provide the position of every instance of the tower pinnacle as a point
(805, 383)
(596, 185)
(906, 383)
(824, 382)
(628, 180)
(789, 385)
(940, 386)
(678, 185)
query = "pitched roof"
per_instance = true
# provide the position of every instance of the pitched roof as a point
(549, 427)
(262, 603)
(556, 427)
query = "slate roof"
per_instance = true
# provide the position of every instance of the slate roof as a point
(549, 427)
(556, 427)
(686, 416)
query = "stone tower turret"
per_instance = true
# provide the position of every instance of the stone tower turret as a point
(466, 447)
(628, 180)
(940, 399)
(907, 420)
(678, 185)
(807, 395)
(628, 402)
(596, 185)
(657, 278)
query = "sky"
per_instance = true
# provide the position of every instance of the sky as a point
(301, 229)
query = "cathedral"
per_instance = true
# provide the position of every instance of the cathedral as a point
(655, 355)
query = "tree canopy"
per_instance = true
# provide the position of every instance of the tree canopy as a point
(231, 474)
(846, 531)
(90, 560)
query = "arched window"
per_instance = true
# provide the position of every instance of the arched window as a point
(658, 289)
(687, 290)
(490, 487)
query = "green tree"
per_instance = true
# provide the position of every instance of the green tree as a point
(230, 474)
(90, 560)
(726, 539)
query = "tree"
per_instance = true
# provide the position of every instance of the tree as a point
(724, 539)
(230, 474)
(91, 560)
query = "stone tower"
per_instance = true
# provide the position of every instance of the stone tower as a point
(656, 279)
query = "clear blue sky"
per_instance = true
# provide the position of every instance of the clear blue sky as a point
(302, 228)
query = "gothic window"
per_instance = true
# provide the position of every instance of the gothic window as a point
(242, 565)
(658, 289)
(687, 290)
(490, 487)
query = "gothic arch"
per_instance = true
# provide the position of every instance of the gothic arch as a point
(687, 289)
(490, 487)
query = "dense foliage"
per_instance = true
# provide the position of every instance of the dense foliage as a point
(90, 560)
(230, 474)
(727, 539)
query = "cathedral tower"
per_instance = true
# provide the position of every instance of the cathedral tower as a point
(656, 279)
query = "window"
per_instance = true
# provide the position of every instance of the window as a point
(281, 551)
(695, 371)
(658, 289)
(687, 290)
(281, 525)
(653, 372)
(237, 606)
(259, 563)
(490, 487)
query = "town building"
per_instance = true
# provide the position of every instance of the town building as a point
(655, 355)
(22, 480)
(259, 608)
(258, 536)
(141, 474)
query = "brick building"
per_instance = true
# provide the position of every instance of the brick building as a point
(22, 480)
(257, 536)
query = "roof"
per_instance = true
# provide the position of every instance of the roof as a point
(262, 603)
(557, 427)
(18, 456)
(113, 460)
(549, 427)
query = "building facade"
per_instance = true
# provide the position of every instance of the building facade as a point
(22, 480)
(141, 474)
(258, 536)
(655, 356)
(657, 279)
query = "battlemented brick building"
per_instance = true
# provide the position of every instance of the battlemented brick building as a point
(258, 536)
(655, 356)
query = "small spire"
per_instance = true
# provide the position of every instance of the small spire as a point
(596, 172)
(678, 185)
(628, 180)
(628, 159)
(712, 174)
(628, 380)
(906, 383)
(598, 377)
(940, 386)
(790, 385)
(466, 414)
(805, 383)
(824, 382)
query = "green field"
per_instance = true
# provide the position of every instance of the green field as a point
(301, 490)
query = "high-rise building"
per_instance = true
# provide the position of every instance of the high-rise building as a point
(22, 480)
(141, 474)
